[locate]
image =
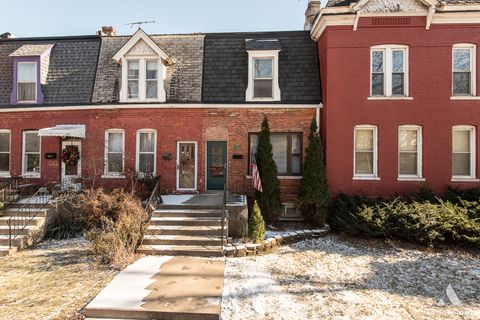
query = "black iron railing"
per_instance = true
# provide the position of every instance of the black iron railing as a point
(224, 215)
(21, 218)
(152, 202)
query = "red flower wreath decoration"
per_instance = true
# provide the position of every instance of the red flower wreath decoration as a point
(70, 155)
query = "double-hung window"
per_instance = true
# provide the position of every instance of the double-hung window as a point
(389, 71)
(133, 79)
(263, 83)
(463, 70)
(151, 79)
(27, 82)
(463, 152)
(365, 152)
(146, 151)
(114, 152)
(31, 154)
(5, 153)
(144, 78)
(286, 149)
(263, 77)
(409, 152)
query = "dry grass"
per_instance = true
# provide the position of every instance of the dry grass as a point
(54, 280)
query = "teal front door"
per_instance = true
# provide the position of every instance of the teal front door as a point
(216, 164)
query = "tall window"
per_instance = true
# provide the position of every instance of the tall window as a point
(263, 82)
(365, 157)
(389, 71)
(133, 78)
(26, 82)
(409, 152)
(152, 79)
(4, 153)
(463, 70)
(463, 152)
(146, 151)
(263, 77)
(31, 153)
(114, 152)
(287, 151)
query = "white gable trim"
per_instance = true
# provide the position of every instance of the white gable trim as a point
(141, 35)
(361, 3)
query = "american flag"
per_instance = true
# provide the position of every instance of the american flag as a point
(256, 181)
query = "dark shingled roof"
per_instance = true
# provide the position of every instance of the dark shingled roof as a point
(340, 3)
(71, 72)
(262, 44)
(225, 76)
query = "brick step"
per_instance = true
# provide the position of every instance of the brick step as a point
(172, 250)
(185, 230)
(5, 250)
(26, 231)
(187, 213)
(17, 242)
(185, 221)
(35, 221)
(182, 240)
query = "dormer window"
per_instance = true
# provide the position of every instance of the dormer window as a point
(143, 69)
(263, 78)
(27, 82)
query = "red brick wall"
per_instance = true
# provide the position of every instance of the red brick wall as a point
(345, 72)
(172, 125)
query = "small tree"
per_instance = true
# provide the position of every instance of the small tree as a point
(269, 199)
(256, 225)
(313, 198)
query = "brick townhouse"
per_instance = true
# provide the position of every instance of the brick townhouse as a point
(186, 108)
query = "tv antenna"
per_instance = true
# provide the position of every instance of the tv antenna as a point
(138, 23)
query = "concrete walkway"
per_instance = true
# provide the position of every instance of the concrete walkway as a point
(163, 288)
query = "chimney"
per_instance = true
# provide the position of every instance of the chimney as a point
(7, 35)
(107, 31)
(311, 13)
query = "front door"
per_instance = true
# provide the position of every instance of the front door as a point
(71, 164)
(187, 166)
(216, 164)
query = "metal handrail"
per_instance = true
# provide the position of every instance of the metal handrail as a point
(154, 197)
(224, 215)
(21, 219)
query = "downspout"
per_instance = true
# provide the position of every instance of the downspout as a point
(317, 115)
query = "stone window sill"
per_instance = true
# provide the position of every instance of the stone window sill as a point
(30, 176)
(111, 176)
(281, 177)
(465, 180)
(366, 178)
(411, 179)
(465, 98)
(390, 98)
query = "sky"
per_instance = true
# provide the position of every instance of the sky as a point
(30, 18)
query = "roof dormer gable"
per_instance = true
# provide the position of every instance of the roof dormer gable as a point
(394, 6)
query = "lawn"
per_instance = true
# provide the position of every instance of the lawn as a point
(53, 280)
(346, 278)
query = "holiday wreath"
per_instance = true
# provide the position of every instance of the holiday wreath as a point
(70, 155)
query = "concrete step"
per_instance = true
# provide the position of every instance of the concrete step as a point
(188, 207)
(26, 212)
(35, 221)
(182, 240)
(185, 221)
(185, 230)
(5, 250)
(17, 242)
(187, 213)
(26, 231)
(173, 250)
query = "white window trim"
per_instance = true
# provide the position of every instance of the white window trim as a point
(137, 156)
(36, 82)
(255, 54)
(473, 71)
(6, 174)
(374, 175)
(418, 176)
(473, 153)
(108, 174)
(387, 71)
(24, 159)
(142, 79)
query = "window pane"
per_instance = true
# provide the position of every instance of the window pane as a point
(4, 162)
(262, 68)
(133, 88)
(377, 84)
(27, 72)
(263, 89)
(4, 142)
(408, 163)
(146, 163)
(364, 162)
(253, 143)
(151, 70)
(461, 164)
(461, 83)
(461, 141)
(115, 142)
(397, 61)
(32, 163)
(147, 142)
(26, 92)
(377, 61)
(296, 145)
(115, 162)
(461, 60)
(296, 164)
(407, 140)
(32, 142)
(279, 144)
(152, 89)
(364, 140)
(133, 69)
(397, 83)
